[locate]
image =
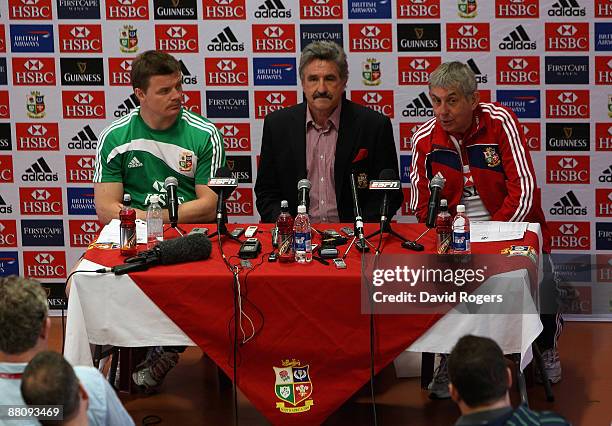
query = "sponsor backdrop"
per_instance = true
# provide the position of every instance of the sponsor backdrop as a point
(64, 76)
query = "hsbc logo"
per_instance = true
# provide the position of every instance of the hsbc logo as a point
(568, 169)
(567, 104)
(5, 110)
(226, 71)
(42, 201)
(523, 70)
(267, 102)
(8, 233)
(83, 104)
(224, 9)
(274, 38)
(567, 37)
(44, 265)
(37, 137)
(80, 38)
(416, 70)
(603, 9)
(127, 9)
(236, 136)
(468, 37)
(6, 169)
(406, 131)
(79, 168)
(380, 100)
(603, 137)
(517, 8)
(603, 70)
(418, 9)
(34, 71)
(119, 71)
(321, 9)
(177, 38)
(192, 100)
(30, 9)
(370, 38)
(603, 202)
(570, 235)
(83, 232)
(240, 202)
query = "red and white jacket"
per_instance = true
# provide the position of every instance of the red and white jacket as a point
(499, 161)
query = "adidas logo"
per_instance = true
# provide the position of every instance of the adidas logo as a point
(272, 9)
(5, 208)
(39, 172)
(419, 107)
(187, 77)
(127, 105)
(567, 8)
(225, 41)
(134, 162)
(517, 39)
(85, 139)
(606, 175)
(480, 77)
(568, 205)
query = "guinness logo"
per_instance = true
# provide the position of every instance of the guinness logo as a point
(419, 32)
(175, 3)
(82, 66)
(567, 131)
(230, 164)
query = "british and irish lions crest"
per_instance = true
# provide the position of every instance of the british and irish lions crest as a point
(371, 72)
(35, 105)
(128, 39)
(467, 8)
(293, 387)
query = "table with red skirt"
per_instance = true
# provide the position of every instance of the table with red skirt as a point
(303, 339)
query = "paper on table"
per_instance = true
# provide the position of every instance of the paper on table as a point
(482, 231)
(110, 233)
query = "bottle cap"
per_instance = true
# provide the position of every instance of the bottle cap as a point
(127, 199)
(460, 208)
(284, 204)
(301, 208)
(154, 199)
(443, 202)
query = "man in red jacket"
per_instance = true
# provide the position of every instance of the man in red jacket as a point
(480, 150)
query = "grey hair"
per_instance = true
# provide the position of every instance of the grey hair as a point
(326, 51)
(455, 75)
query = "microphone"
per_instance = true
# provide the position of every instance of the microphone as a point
(357, 211)
(171, 186)
(190, 248)
(387, 181)
(223, 184)
(303, 191)
(435, 188)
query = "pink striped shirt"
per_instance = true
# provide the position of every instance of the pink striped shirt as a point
(320, 156)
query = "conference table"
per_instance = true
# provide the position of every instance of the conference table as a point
(304, 341)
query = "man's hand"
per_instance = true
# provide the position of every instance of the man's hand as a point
(108, 198)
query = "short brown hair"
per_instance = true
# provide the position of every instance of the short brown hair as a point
(23, 310)
(50, 380)
(149, 64)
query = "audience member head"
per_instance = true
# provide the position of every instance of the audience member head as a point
(478, 374)
(24, 324)
(50, 380)
(149, 64)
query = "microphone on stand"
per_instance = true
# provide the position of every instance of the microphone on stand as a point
(386, 182)
(303, 187)
(223, 184)
(171, 186)
(357, 212)
(189, 248)
(435, 188)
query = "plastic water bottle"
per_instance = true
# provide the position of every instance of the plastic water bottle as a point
(302, 237)
(127, 228)
(155, 222)
(461, 232)
(284, 225)
(443, 228)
